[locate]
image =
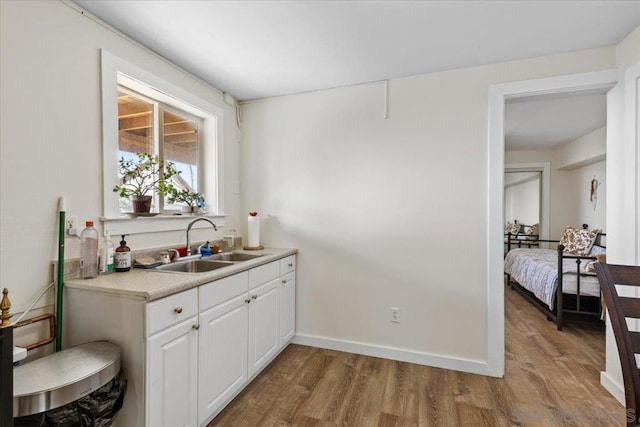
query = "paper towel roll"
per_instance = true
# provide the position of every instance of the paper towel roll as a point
(253, 240)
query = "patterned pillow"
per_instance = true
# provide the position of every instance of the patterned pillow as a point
(511, 228)
(597, 250)
(578, 241)
(533, 232)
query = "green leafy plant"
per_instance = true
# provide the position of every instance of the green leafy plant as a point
(188, 197)
(145, 174)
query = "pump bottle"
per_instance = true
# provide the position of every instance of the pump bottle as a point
(122, 257)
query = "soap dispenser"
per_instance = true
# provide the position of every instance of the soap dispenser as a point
(122, 257)
(205, 250)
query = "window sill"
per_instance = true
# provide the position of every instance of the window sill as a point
(154, 224)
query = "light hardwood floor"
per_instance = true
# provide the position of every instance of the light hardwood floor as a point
(552, 378)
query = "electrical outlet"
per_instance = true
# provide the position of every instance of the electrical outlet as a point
(395, 315)
(71, 225)
(71, 222)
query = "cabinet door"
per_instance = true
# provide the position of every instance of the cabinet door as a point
(223, 354)
(172, 376)
(287, 308)
(264, 337)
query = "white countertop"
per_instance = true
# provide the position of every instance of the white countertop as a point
(149, 285)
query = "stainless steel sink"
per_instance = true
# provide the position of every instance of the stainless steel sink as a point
(194, 266)
(233, 257)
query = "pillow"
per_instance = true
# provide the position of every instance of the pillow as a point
(533, 232)
(578, 241)
(511, 228)
(597, 250)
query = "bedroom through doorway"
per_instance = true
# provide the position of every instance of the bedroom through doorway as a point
(555, 178)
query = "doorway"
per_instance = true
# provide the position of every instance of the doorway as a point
(498, 96)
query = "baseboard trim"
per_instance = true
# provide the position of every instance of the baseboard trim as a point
(612, 386)
(456, 364)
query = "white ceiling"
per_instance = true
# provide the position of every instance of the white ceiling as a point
(544, 122)
(255, 49)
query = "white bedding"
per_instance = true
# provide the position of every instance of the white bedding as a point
(537, 271)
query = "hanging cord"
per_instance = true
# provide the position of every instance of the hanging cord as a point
(34, 302)
(28, 309)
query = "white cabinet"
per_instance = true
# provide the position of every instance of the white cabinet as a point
(223, 354)
(186, 356)
(172, 376)
(287, 308)
(287, 265)
(224, 329)
(264, 340)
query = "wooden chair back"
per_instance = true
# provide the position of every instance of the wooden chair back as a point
(620, 308)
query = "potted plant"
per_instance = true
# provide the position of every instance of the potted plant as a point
(191, 199)
(140, 176)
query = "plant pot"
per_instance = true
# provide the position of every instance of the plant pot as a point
(190, 209)
(141, 204)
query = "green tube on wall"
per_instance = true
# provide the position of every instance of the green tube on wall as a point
(61, 230)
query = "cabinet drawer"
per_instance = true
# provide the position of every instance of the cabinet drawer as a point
(170, 311)
(222, 290)
(287, 265)
(289, 278)
(263, 274)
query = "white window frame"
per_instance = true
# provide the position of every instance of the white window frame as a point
(200, 161)
(117, 71)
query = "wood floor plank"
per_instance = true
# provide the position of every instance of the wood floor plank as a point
(437, 399)
(551, 378)
(390, 420)
(327, 397)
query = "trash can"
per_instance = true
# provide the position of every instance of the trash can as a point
(77, 387)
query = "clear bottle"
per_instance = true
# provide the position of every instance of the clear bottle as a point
(107, 250)
(89, 252)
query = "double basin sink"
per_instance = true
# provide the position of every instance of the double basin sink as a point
(205, 264)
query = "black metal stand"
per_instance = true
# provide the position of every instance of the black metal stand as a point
(6, 376)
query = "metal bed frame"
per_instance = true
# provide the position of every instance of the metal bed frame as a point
(583, 304)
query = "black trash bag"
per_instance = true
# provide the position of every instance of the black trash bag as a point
(100, 407)
(65, 416)
(35, 420)
(97, 409)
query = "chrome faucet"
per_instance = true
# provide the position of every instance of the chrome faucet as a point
(189, 231)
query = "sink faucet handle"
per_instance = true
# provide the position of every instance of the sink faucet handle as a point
(176, 252)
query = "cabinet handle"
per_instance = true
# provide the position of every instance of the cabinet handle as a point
(254, 296)
(178, 310)
(248, 301)
(195, 327)
(284, 281)
(290, 264)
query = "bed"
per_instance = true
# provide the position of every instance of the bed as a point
(558, 281)
(518, 235)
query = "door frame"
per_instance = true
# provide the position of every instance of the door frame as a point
(498, 94)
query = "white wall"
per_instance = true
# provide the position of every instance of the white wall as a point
(522, 202)
(573, 166)
(51, 135)
(584, 150)
(563, 196)
(588, 212)
(387, 213)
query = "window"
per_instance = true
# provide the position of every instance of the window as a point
(149, 126)
(141, 110)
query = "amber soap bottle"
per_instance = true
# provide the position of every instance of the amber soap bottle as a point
(122, 257)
